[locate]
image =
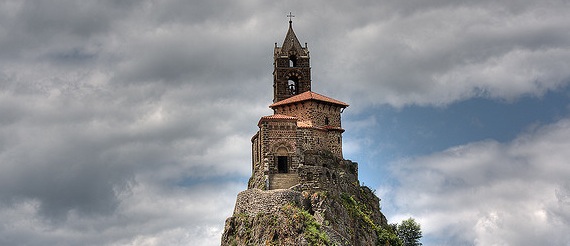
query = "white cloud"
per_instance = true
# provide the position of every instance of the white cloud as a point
(451, 52)
(490, 193)
(148, 214)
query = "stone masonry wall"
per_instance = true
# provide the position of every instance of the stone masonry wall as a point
(323, 171)
(314, 112)
(314, 139)
(255, 201)
(334, 143)
(275, 138)
(314, 117)
(255, 153)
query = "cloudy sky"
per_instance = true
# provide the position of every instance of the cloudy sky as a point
(128, 122)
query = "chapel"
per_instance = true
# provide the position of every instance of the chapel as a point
(302, 120)
(302, 191)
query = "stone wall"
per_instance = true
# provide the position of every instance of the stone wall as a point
(318, 113)
(283, 72)
(255, 152)
(334, 143)
(276, 137)
(321, 170)
(316, 139)
(319, 125)
(255, 201)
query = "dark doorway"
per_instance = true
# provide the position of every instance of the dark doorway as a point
(282, 164)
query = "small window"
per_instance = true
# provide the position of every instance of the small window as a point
(327, 121)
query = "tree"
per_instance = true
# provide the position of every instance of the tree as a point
(409, 232)
(388, 236)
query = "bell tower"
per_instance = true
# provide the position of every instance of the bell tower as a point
(291, 67)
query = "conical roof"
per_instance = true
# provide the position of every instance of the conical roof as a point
(292, 43)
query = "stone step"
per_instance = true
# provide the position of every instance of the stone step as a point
(283, 180)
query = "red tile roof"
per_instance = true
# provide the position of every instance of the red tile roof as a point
(308, 95)
(277, 117)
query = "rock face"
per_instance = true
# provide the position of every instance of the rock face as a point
(326, 207)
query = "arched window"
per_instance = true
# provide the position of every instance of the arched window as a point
(292, 86)
(292, 61)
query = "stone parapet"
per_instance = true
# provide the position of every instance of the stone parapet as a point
(254, 201)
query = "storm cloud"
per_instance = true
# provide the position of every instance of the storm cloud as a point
(128, 122)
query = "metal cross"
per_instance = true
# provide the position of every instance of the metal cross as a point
(290, 15)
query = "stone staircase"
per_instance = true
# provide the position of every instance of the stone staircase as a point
(283, 180)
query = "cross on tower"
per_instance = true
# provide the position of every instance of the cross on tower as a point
(290, 15)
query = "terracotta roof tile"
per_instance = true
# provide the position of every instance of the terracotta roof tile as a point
(279, 116)
(308, 95)
(276, 117)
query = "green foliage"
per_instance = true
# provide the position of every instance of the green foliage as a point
(312, 229)
(357, 209)
(313, 232)
(386, 235)
(409, 231)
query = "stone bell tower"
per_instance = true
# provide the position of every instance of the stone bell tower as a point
(291, 67)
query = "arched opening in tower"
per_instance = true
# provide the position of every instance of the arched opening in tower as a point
(293, 86)
(292, 61)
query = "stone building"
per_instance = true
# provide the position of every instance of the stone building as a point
(302, 120)
(302, 191)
